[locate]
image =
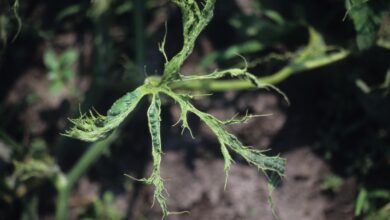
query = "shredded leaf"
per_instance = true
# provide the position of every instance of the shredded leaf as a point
(94, 126)
(240, 73)
(154, 129)
(194, 21)
(155, 178)
(253, 156)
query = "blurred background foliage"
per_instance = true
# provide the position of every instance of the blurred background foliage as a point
(55, 55)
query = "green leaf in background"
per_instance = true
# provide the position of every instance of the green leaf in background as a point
(60, 67)
(68, 74)
(364, 205)
(56, 86)
(360, 202)
(367, 17)
(50, 59)
(69, 11)
(68, 58)
(331, 182)
(99, 7)
(275, 17)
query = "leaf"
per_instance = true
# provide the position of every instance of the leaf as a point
(56, 86)
(93, 126)
(194, 21)
(360, 202)
(98, 8)
(68, 11)
(68, 74)
(314, 55)
(50, 59)
(275, 16)
(153, 113)
(240, 73)
(228, 160)
(53, 76)
(367, 17)
(68, 58)
(252, 156)
(365, 28)
(362, 86)
(315, 49)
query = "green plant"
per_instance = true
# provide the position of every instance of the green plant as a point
(60, 68)
(93, 126)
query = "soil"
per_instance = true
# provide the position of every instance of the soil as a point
(201, 191)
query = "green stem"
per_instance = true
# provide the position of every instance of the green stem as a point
(63, 191)
(65, 183)
(239, 84)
